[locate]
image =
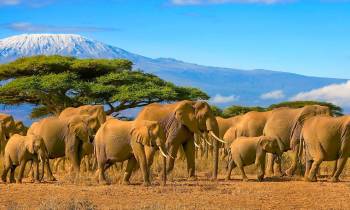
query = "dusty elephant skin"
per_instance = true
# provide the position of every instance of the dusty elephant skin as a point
(62, 138)
(18, 151)
(285, 126)
(181, 121)
(326, 139)
(248, 150)
(134, 141)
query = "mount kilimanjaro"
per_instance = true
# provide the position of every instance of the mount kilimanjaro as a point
(225, 85)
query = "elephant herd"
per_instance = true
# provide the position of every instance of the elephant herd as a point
(260, 138)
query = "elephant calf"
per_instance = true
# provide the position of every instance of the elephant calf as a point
(18, 151)
(247, 150)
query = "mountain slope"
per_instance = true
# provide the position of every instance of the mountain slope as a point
(240, 86)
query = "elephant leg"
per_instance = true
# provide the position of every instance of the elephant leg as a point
(129, 167)
(294, 156)
(171, 161)
(57, 163)
(231, 165)
(75, 160)
(340, 166)
(270, 162)
(21, 171)
(50, 177)
(334, 168)
(35, 162)
(313, 170)
(277, 169)
(150, 151)
(240, 166)
(4, 172)
(308, 165)
(140, 156)
(12, 174)
(190, 158)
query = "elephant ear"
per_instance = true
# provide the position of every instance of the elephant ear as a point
(29, 143)
(305, 113)
(345, 134)
(264, 143)
(141, 134)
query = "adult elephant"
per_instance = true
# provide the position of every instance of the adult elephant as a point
(180, 122)
(117, 141)
(326, 139)
(94, 114)
(250, 124)
(63, 138)
(285, 125)
(7, 128)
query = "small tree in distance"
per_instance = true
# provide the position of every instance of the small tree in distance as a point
(53, 83)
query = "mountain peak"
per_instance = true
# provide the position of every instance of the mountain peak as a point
(62, 44)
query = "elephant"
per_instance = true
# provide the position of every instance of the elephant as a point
(226, 123)
(117, 141)
(18, 151)
(95, 115)
(285, 125)
(180, 121)
(248, 150)
(326, 138)
(63, 138)
(9, 127)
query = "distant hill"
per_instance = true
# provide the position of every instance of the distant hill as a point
(245, 87)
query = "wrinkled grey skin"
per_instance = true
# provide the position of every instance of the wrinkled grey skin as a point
(18, 151)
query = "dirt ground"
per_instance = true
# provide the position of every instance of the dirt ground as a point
(278, 193)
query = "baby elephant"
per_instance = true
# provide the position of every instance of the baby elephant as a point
(20, 149)
(247, 150)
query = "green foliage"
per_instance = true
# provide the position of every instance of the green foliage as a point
(217, 111)
(238, 110)
(335, 110)
(56, 82)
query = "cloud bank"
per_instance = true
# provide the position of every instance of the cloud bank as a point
(37, 28)
(276, 94)
(338, 94)
(219, 99)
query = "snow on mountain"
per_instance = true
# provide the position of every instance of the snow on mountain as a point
(226, 86)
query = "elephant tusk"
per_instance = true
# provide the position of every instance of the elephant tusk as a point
(196, 145)
(162, 152)
(207, 142)
(171, 156)
(217, 138)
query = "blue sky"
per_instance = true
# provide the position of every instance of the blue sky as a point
(306, 37)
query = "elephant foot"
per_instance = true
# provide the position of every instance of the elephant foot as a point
(126, 182)
(269, 173)
(192, 178)
(19, 181)
(260, 178)
(279, 174)
(334, 179)
(227, 178)
(51, 178)
(103, 182)
(12, 181)
(36, 181)
(289, 172)
(3, 179)
(308, 179)
(245, 179)
(146, 184)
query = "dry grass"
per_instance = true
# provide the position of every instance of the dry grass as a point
(86, 193)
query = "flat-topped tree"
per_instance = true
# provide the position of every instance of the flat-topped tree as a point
(56, 82)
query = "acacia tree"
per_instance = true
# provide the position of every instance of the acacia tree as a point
(53, 83)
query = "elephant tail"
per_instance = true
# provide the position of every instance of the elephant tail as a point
(301, 146)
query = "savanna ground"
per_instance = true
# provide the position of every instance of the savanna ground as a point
(85, 193)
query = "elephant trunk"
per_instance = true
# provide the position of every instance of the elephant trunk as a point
(164, 171)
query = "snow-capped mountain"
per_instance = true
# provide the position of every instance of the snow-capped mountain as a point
(62, 44)
(226, 86)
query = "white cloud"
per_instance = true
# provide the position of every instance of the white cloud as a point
(338, 94)
(219, 99)
(200, 2)
(9, 2)
(276, 94)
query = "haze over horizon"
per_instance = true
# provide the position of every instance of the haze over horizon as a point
(303, 37)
